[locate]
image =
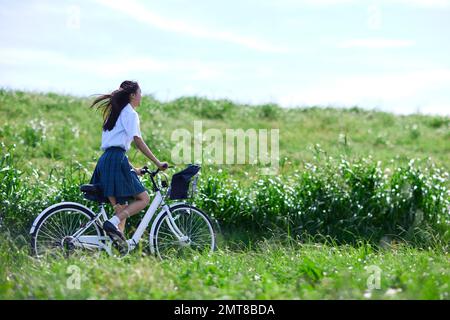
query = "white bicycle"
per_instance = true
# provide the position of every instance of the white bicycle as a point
(178, 229)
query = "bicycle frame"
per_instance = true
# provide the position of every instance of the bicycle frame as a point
(97, 242)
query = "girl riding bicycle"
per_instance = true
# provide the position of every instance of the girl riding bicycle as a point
(115, 175)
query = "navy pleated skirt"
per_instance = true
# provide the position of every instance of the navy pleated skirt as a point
(115, 176)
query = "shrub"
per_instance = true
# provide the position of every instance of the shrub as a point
(347, 201)
(204, 108)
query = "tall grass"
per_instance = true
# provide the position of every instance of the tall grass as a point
(344, 200)
(24, 193)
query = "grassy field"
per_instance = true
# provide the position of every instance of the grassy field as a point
(51, 130)
(268, 270)
(356, 189)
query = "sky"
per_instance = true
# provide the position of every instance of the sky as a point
(384, 55)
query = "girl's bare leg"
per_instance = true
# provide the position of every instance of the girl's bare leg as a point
(118, 208)
(142, 200)
(121, 225)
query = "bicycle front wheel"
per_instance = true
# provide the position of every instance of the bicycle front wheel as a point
(196, 228)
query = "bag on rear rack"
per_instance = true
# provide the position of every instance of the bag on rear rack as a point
(179, 186)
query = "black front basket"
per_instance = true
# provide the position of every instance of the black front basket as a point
(179, 186)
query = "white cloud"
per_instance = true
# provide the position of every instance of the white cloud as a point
(302, 3)
(324, 3)
(426, 3)
(51, 59)
(142, 14)
(375, 43)
(441, 108)
(114, 66)
(396, 91)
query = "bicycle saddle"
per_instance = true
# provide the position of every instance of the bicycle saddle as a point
(90, 188)
(92, 192)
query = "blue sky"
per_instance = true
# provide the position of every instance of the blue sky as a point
(388, 55)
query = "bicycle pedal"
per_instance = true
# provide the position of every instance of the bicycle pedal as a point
(119, 244)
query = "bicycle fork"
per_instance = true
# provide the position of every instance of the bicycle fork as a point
(182, 238)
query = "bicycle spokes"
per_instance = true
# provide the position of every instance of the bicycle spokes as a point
(196, 234)
(57, 232)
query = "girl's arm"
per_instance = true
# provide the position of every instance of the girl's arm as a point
(141, 145)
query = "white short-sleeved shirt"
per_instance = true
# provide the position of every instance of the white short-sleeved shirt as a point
(126, 128)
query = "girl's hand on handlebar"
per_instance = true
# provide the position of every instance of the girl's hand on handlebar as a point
(139, 171)
(163, 166)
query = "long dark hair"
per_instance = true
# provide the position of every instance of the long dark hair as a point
(113, 103)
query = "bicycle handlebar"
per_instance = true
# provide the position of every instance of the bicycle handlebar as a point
(153, 173)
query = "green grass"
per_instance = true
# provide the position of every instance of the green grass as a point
(269, 270)
(344, 201)
(351, 183)
(51, 129)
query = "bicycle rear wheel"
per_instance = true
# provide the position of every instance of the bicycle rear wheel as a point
(54, 233)
(194, 224)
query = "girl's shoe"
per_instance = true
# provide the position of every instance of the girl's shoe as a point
(113, 232)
